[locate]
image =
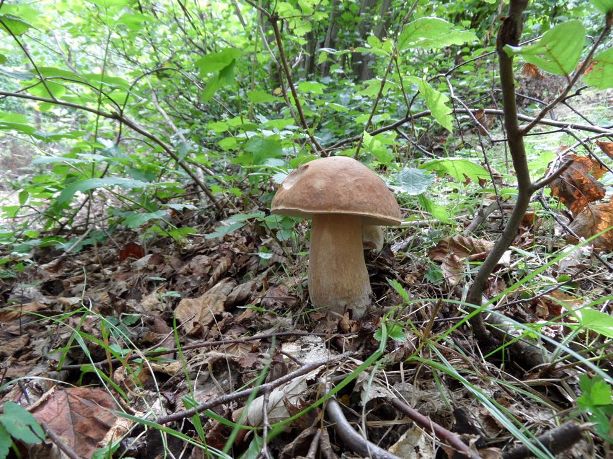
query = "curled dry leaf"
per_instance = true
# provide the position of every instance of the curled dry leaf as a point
(81, 416)
(578, 185)
(592, 220)
(196, 314)
(531, 71)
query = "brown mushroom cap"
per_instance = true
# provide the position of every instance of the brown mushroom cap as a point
(337, 185)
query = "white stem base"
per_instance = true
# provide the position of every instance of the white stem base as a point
(338, 279)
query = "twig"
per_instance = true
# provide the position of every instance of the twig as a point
(247, 392)
(353, 440)
(439, 431)
(556, 440)
(152, 352)
(55, 438)
(274, 21)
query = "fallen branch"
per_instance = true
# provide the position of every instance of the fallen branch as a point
(353, 440)
(264, 388)
(556, 440)
(442, 434)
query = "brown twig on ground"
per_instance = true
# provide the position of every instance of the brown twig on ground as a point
(353, 440)
(248, 392)
(153, 352)
(61, 444)
(556, 440)
(442, 434)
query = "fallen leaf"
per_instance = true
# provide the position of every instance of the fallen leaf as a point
(80, 416)
(196, 314)
(592, 220)
(606, 147)
(577, 186)
(452, 253)
(531, 71)
(131, 250)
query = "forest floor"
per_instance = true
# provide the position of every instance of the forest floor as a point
(153, 329)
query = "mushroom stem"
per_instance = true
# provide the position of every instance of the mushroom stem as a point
(338, 279)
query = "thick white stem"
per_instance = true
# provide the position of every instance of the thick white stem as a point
(338, 279)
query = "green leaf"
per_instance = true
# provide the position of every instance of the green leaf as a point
(436, 210)
(594, 392)
(259, 96)
(603, 5)
(311, 86)
(413, 181)
(376, 146)
(600, 72)
(459, 169)
(400, 290)
(136, 219)
(90, 184)
(2, 59)
(260, 149)
(558, 51)
(216, 62)
(21, 424)
(436, 102)
(5, 441)
(10, 23)
(224, 229)
(432, 33)
(596, 321)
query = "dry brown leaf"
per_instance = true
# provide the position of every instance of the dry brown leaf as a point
(81, 416)
(131, 250)
(592, 220)
(577, 186)
(606, 147)
(551, 305)
(241, 293)
(221, 268)
(10, 313)
(531, 71)
(459, 246)
(196, 314)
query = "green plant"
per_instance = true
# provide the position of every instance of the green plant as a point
(16, 423)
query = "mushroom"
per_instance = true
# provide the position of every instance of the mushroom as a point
(342, 196)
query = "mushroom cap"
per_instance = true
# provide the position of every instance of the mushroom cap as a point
(337, 185)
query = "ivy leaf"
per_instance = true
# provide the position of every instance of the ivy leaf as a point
(600, 72)
(413, 181)
(90, 184)
(13, 24)
(603, 5)
(20, 424)
(432, 33)
(437, 103)
(558, 51)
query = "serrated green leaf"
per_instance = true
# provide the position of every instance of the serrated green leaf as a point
(600, 72)
(432, 33)
(413, 181)
(20, 424)
(91, 184)
(558, 51)
(458, 168)
(437, 103)
(603, 5)
(13, 24)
